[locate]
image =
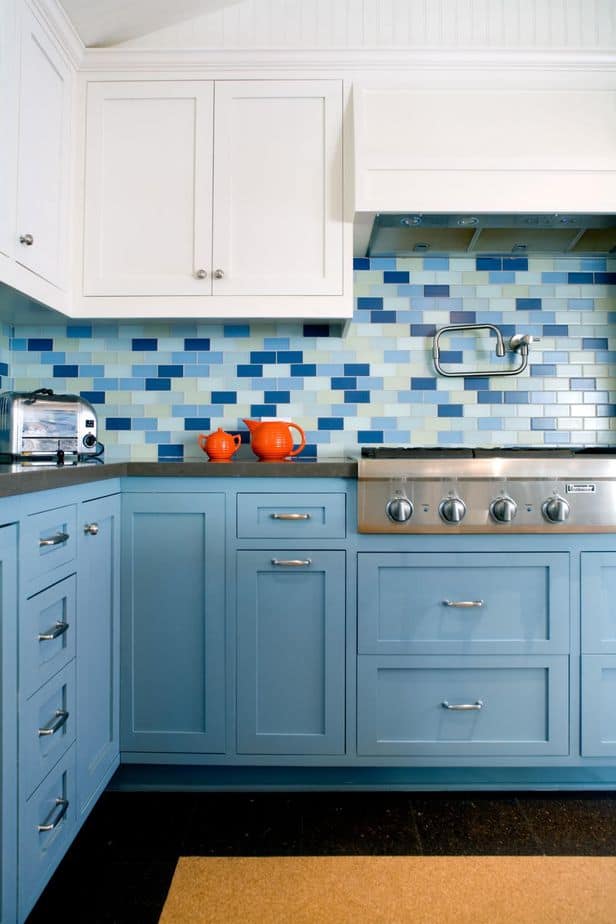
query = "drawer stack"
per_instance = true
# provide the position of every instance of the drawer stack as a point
(463, 655)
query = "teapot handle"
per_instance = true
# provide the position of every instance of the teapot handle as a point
(237, 439)
(201, 440)
(299, 448)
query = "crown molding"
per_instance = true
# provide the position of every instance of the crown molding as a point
(57, 22)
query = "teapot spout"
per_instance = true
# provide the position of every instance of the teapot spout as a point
(251, 424)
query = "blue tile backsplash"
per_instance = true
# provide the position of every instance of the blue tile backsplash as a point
(157, 385)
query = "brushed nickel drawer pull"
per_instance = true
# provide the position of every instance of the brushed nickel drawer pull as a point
(58, 539)
(292, 562)
(290, 516)
(463, 707)
(463, 604)
(56, 724)
(55, 632)
(62, 804)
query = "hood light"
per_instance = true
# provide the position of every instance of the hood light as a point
(411, 221)
(467, 220)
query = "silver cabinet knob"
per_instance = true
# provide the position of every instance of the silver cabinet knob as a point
(503, 509)
(201, 274)
(26, 239)
(452, 509)
(91, 529)
(219, 274)
(556, 509)
(399, 509)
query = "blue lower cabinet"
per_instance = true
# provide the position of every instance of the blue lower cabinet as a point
(598, 582)
(598, 705)
(452, 706)
(291, 652)
(173, 623)
(8, 724)
(47, 724)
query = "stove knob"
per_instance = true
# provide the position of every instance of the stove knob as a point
(399, 509)
(452, 509)
(556, 509)
(503, 509)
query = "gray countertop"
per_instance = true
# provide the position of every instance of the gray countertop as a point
(21, 479)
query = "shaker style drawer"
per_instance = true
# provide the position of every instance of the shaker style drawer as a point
(50, 543)
(291, 516)
(495, 603)
(482, 706)
(47, 634)
(47, 727)
(46, 829)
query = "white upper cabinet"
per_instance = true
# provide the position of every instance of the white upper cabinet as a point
(8, 125)
(43, 155)
(226, 195)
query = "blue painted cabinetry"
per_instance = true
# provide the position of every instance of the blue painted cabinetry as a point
(598, 617)
(8, 724)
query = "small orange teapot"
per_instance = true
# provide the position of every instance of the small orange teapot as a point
(271, 440)
(219, 446)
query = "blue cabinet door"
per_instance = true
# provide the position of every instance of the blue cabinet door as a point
(291, 652)
(173, 623)
(8, 724)
(598, 699)
(98, 647)
(598, 583)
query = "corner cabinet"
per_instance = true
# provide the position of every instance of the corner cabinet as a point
(225, 195)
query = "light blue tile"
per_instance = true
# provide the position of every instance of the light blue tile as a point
(397, 437)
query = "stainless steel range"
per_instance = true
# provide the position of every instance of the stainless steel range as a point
(487, 491)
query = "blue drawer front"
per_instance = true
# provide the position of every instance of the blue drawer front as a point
(521, 706)
(47, 634)
(444, 603)
(598, 575)
(291, 516)
(598, 705)
(50, 542)
(52, 706)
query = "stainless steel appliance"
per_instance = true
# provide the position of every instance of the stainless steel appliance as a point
(406, 491)
(41, 425)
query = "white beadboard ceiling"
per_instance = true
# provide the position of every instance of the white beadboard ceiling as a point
(346, 24)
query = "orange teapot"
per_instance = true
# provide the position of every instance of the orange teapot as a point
(219, 446)
(271, 440)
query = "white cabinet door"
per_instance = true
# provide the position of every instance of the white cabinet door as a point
(43, 152)
(8, 125)
(278, 188)
(148, 188)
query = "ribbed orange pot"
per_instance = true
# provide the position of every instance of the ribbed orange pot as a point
(219, 446)
(271, 440)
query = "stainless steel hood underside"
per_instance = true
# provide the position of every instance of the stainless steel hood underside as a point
(417, 234)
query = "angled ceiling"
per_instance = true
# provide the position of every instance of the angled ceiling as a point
(101, 23)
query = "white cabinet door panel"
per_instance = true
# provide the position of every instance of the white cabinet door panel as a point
(8, 126)
(148, 188)
(278, 187)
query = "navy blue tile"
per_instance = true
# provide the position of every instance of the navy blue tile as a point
(450, 410)
(383, 317)
(65, 372)
(236, 330)
(489, 263)
(579, 278)
(594, 343)
(528, 304)
(94, 397)
(606, 410)
(605, 279)
(290, 356)
(476, 383)
(224, 397)
(303, 369)
(330, 423)
(423, 330)
(369, 304)
(78, 330)
(197, 423)
(507, 330)
(44, 344)
(451, 356)
(543, 369)
(4, 369)
(343, 383)
(489, 397)
(395, 276)
(171, 452)
(262, 410)
(370, 436)
(249, 371)
(517, 397)
(197, 344)
(308, 452)
(423, 384)
(555, 330)
(462, 317)
(436, 291)
(171, 372)
(158, 384)
(361, 263)
(277, 397)
(117, 423)
(515, 263)
(357, 368)
(262, 356)
(144, 344)
(357, 397)
(316, 330)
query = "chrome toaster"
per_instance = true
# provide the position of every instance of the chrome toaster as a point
(40, 425)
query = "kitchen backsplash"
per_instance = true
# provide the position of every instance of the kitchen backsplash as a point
(157, 385)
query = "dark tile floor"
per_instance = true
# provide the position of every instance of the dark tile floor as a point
(120, 866)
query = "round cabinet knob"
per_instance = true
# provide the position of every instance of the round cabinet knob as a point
(219, 274)
(91, 529)
(452, 509)
(503, 509)
(399, 509)
(26, 239)
(201, 274)
(556, 509)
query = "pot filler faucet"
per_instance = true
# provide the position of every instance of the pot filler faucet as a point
(519, 343)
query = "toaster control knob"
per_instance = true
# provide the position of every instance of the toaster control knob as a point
(503, 509)
(452, 509)
(89, 440)
(399, 509)
(556, 509)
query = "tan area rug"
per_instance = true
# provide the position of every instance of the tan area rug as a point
(392, 890)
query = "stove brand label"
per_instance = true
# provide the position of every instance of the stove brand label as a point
(583, 488)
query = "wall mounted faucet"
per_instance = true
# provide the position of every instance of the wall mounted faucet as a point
(519, 343)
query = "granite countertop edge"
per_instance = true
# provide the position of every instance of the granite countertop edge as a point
(16, 479)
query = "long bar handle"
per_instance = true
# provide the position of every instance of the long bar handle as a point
(56, 724)
(463, 707)
(290, 516)
(292, 562)
(62, 804)
(463, 604)
(58, 539)
(55, 632)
